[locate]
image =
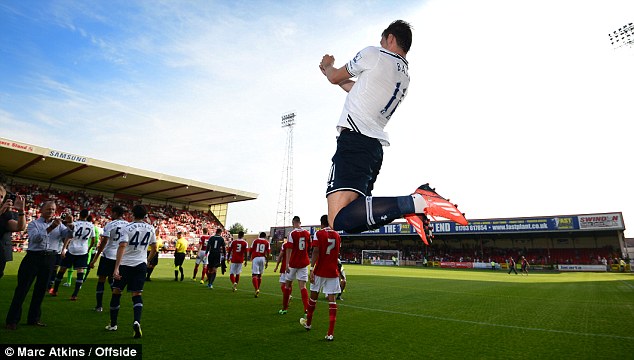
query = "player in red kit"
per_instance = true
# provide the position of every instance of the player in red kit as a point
(324, 274)
(296, 262)
(202, 256)
(237, 251)
(281, 259)
(260, 249)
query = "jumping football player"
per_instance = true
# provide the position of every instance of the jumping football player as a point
(382, 83)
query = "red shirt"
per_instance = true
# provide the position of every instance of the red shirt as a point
(298, 242)
(238, 249)
(202, 244)
(328, 242)
(260, 247)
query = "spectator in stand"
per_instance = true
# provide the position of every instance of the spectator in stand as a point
(512, 265)
(12, 219)
(179, 255)
(45, 235)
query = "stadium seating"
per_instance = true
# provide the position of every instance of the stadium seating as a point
(166, 218)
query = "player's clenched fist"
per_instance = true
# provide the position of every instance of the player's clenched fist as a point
(326, 61)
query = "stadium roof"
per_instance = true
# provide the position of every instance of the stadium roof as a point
(54, 166)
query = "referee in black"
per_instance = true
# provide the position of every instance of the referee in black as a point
(45, 235)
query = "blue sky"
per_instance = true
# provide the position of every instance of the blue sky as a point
(515, 108)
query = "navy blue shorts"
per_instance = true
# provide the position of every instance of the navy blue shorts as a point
(132, 277)
(214, 259)
(106, 267)
(75, 261)
(356, 163)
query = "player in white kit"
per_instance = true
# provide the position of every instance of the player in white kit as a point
(75, 252)
(108, 248)
(382, 75)
(131, 266)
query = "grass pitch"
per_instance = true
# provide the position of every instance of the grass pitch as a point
(387, 313)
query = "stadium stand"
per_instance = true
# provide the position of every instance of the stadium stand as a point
(167, 218)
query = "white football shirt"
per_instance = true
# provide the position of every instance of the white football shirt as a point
(382, 82)
(138, 235)
(112, 231)
(83, 232)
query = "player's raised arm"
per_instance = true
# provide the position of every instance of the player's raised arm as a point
(337, 76)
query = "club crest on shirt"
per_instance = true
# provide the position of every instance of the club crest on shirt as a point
(357, 57)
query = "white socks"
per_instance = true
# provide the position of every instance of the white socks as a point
(419, 203)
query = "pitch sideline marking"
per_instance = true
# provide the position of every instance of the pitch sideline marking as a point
(488, 324)
(481, 323)
(627, 284)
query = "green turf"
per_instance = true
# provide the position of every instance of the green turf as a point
(401, 313)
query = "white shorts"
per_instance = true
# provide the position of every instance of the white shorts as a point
(283, 277)
(202, 258)
(235, 269)
(300, 274)
(326, 285)
(257, 265)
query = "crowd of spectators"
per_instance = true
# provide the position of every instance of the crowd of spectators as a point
(166, 218)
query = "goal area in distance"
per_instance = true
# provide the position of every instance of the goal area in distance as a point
(381, 257)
